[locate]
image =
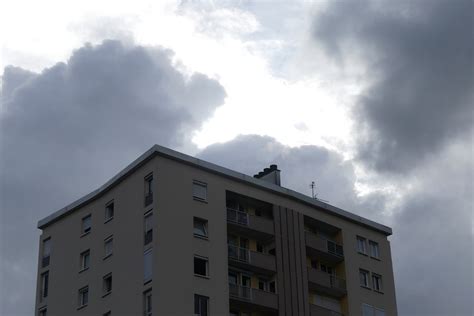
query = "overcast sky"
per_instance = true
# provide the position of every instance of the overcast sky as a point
(373, 100)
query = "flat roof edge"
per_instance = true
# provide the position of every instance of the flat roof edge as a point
(172, 154)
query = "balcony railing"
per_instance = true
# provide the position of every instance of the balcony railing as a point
(257, 260)
(332, 283)
(317, 310)
(324, 244)
(244, 220)
(238, 217)
(264, 299)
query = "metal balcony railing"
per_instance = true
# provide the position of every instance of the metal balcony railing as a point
(239, 291)
(326, 279)
(238, 253)
(238, 217)
(328, 245)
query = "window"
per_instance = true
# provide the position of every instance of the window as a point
(374, 249)
(148, 228)
(369, 310)
(85, 259)
(147, 307)
(148, 189)
(201, 266)
(199, 190)
(377, 282)
(200, 227)
(260, 247)
(201, 305)
(109, 211)
(86, 224)
(42, 312)
(364, 278)
(147, 266)
(107, 284)
(44, 285)
(83, 296)
(46, 252)
(362, 245)
(108, 246)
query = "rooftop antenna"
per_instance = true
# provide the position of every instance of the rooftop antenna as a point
(314, 195)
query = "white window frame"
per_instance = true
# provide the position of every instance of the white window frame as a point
(362, 241)
(104, 284)
(148, 255)
(148, 215)
(108, 252)
(206, 260)
(86, 230)
(83, 302)
(204, 223)
(46, 252)
(44, 285)
(82, 257)
(374, 249)
(367, 278)
(200, 298)
(147, 297)
(377, 284)
(202, 186)
(107, 211)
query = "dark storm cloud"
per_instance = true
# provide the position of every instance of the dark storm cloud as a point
(70, 128)
(300, 166)
(419, 61)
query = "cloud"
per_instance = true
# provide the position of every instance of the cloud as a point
(418, 58)
(432, 242)
(69, 128)
(335, 178)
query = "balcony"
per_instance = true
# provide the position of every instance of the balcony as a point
(251, 225)
(316, 310)
(251, 260)
(252, 299)
(324, 248)
(326, 283)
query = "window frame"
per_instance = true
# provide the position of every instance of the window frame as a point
(367, 278)
(201, 184)
(45, 259)
(86, 230)
(206, 266)
(108, 218)
(105, 280)
(44, 289)
(82, 261)
(43, 311)
(148, 181)
(146, 216)
(81, 292)
(200, 299)
(377, 283)
(108, 240)
(148, 252)
(374, 245)
(205, 224)
(364, 243)
(148, 297)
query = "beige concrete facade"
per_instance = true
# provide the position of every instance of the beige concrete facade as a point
(283, 269)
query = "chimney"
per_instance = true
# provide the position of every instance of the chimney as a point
(271, 175)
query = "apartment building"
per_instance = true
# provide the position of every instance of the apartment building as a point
(175, 235)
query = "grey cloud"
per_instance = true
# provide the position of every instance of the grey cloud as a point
(419, 56)
(69, 128)
(432, 243)
(300, 166)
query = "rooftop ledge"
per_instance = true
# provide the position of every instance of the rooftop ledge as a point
(158, 150)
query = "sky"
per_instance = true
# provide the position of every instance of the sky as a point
(372, 100)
